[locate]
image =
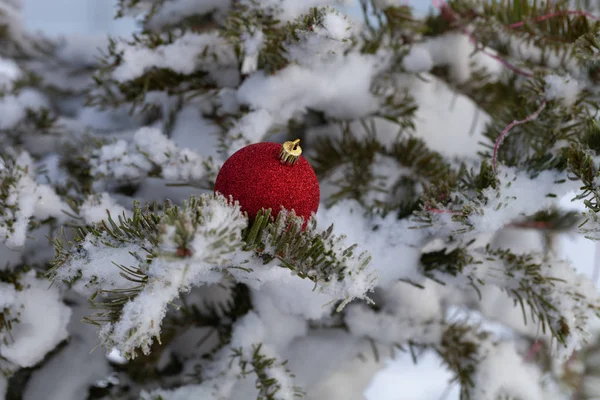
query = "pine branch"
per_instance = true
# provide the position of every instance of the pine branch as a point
(18, 187)
(549, 25)
(447, 10)
(390, 27)
(583, 167)
(456, 190)
(543, 141)
(10, 281)
(178, 248)
(261, 365)
(75, 160)
(41, 122)
(149, 154)
(461, 346)
(587, 47)
(556, 14)
(398, 107)
(545, 20)
(554, 220)
(72, 257)
(532, 281)
(117, 85)
(460, 350)
(320, 257)
(355, 157)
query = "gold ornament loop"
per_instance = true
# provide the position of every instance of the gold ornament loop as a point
(290, 152)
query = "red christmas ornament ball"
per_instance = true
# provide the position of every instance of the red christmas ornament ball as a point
(257, 178)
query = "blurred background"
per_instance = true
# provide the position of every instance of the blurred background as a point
(96, 16)
(401, 379)
(67, 17)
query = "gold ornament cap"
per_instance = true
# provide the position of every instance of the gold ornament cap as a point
(290, 152)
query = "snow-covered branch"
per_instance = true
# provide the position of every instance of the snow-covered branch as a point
(23, 199)
(150, 153)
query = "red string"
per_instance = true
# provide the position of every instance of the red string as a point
(555, 14)
(440, 211)
(451, 15)
(533, 350)
(509, 127)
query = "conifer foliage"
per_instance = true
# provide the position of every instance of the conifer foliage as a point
(444, 144)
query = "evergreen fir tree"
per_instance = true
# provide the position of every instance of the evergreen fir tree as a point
(443, 145)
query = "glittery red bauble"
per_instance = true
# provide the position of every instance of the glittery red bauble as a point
(256, 178)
